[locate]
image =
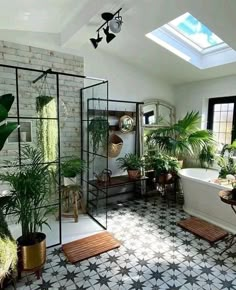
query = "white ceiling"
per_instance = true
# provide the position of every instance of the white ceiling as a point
(70, 23)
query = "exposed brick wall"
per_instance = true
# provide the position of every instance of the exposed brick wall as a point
(37, 58)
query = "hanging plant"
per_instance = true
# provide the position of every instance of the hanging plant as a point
(98, 129)
(47, 129)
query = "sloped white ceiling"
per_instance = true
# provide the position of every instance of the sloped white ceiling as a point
(69, 24)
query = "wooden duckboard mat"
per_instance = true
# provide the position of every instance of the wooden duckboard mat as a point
(91, 246)
(203, 229)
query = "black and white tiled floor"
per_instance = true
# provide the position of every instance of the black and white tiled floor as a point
(155, 254)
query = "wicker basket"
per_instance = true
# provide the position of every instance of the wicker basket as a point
(114, 146)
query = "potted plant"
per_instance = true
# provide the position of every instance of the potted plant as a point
(27, 201)
(132, 163)
(70, 169)
(182, 138)
(227, 166)
(98, 128)
(165, 167)
(207, 156)
(8, 252)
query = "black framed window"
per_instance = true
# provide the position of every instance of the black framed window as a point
(222, 119)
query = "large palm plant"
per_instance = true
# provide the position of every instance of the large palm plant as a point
(181, 139)
(29, 195)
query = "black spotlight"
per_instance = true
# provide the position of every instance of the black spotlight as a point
(109, 36)
(95, 41)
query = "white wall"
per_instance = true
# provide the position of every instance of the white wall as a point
(194, 96)
(126, 82)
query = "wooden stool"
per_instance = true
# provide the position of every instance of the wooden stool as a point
(71, 194)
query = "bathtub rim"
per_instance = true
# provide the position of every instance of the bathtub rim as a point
(220, 187)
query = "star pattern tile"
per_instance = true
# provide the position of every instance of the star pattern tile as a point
(155, 254)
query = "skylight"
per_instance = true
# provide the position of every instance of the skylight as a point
(194, 42)
(195, 31)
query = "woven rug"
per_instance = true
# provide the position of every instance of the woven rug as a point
(91, 246)
(203, 229)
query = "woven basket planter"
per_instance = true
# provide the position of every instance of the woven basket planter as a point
(114, 146)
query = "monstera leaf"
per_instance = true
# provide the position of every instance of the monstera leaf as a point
(6, 129)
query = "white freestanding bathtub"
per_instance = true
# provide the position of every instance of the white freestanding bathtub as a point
(201, 198)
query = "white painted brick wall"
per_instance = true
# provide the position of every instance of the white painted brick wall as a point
(37, 58)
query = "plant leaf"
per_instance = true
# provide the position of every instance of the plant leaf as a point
(6, 101)
(5, 131)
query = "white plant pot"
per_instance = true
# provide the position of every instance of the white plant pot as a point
(69, 181)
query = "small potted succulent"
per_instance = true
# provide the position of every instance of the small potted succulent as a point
(132, 163)
(70, 169)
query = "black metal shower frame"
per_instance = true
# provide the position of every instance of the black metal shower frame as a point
(44, 73)
(87, 151)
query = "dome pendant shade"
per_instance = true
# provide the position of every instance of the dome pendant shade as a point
(94, 42)
(107, 16)
(115, 24)
(109, 36)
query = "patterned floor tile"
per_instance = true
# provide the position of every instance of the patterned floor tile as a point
(155, 254)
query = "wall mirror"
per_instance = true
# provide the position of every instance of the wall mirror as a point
(126, 124)
(157, 113)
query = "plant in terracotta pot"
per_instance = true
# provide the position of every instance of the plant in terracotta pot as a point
(70, 169)
(181, 139)
(27, 202)
(165, 167)
(132, 163)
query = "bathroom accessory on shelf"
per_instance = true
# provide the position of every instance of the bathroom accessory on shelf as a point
(115, 145)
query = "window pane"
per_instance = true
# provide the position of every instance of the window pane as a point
(230, 116)
(231, 107)
(223, 127)
(217, 107)
(216, 116)
(216, 127)
(222, 138)
(223, 116)
(229, 128)
(228, 138)
(224, 107)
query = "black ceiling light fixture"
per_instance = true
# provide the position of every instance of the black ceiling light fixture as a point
(113, 22)
(95, 41)
(109, 36)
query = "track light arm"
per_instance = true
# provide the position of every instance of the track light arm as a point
(117, 12)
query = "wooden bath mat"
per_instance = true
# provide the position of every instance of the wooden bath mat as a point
(203, 229)
(89, 247)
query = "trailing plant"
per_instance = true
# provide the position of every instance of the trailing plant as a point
(207, 156)
(130, 162)
(227, 166)
(70, 168)
(30, 187)
(6, 129)
(46, 127)
(98, 128)
(182, 138)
